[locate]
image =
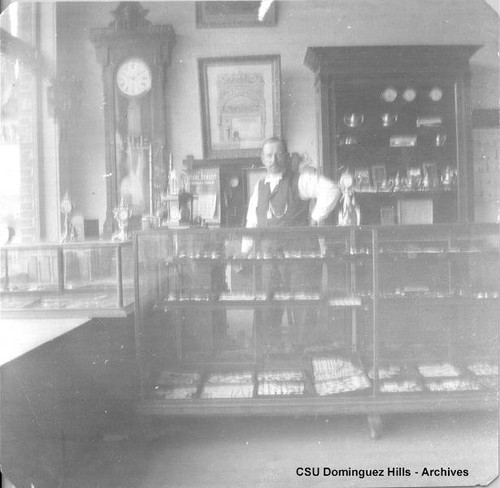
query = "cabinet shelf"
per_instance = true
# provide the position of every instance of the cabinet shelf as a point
(257, 304)
(408, 193)
(259, 260)
(441, 300)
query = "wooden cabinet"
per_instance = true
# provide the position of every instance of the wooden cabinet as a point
(398, 118)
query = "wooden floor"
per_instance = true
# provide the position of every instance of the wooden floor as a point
(266, 452)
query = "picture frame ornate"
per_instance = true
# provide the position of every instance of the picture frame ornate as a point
(240, 104)
(217, 14)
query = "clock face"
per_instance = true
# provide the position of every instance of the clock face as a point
(123, 214)
(133, 77)
(66, 206)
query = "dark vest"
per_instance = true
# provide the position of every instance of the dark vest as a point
(287, 209)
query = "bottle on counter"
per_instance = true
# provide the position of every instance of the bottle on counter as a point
(173, 178)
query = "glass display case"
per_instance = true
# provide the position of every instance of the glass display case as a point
(398, 119)
(238, 302)
(318, 320)
(94, 279)
(438, 311)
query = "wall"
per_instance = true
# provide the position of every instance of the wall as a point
(300, 24)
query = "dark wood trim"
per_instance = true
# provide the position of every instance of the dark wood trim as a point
(307, 406)
(383, 59)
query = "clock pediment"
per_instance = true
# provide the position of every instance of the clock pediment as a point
(131, 32)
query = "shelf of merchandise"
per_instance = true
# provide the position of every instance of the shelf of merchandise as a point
(397, 112)
(450, 243)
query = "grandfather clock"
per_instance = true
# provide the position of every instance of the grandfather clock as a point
(134, 55)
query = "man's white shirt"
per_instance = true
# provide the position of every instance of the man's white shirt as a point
(310, 185)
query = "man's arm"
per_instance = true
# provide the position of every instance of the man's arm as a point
(326, 193)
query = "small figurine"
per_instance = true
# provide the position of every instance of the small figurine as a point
(66, 209)
(122, 215)
(397, 183)
(162, 212)
(426, 183)
(349, 214)
(447, 178)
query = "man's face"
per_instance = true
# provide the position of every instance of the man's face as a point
(274, 157)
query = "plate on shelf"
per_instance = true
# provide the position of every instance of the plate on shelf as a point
(389, 94)
(409, 95)
(436, 94)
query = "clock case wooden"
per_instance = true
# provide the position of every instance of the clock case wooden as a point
(340, 71)
(129, 35)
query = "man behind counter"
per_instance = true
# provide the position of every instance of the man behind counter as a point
(281, 199)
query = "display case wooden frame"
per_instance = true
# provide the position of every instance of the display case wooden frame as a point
(240, 104)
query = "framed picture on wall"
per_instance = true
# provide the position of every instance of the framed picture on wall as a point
(431, 174)
(240, 104)
(234, 14)
(378, 175)
(362, 179)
